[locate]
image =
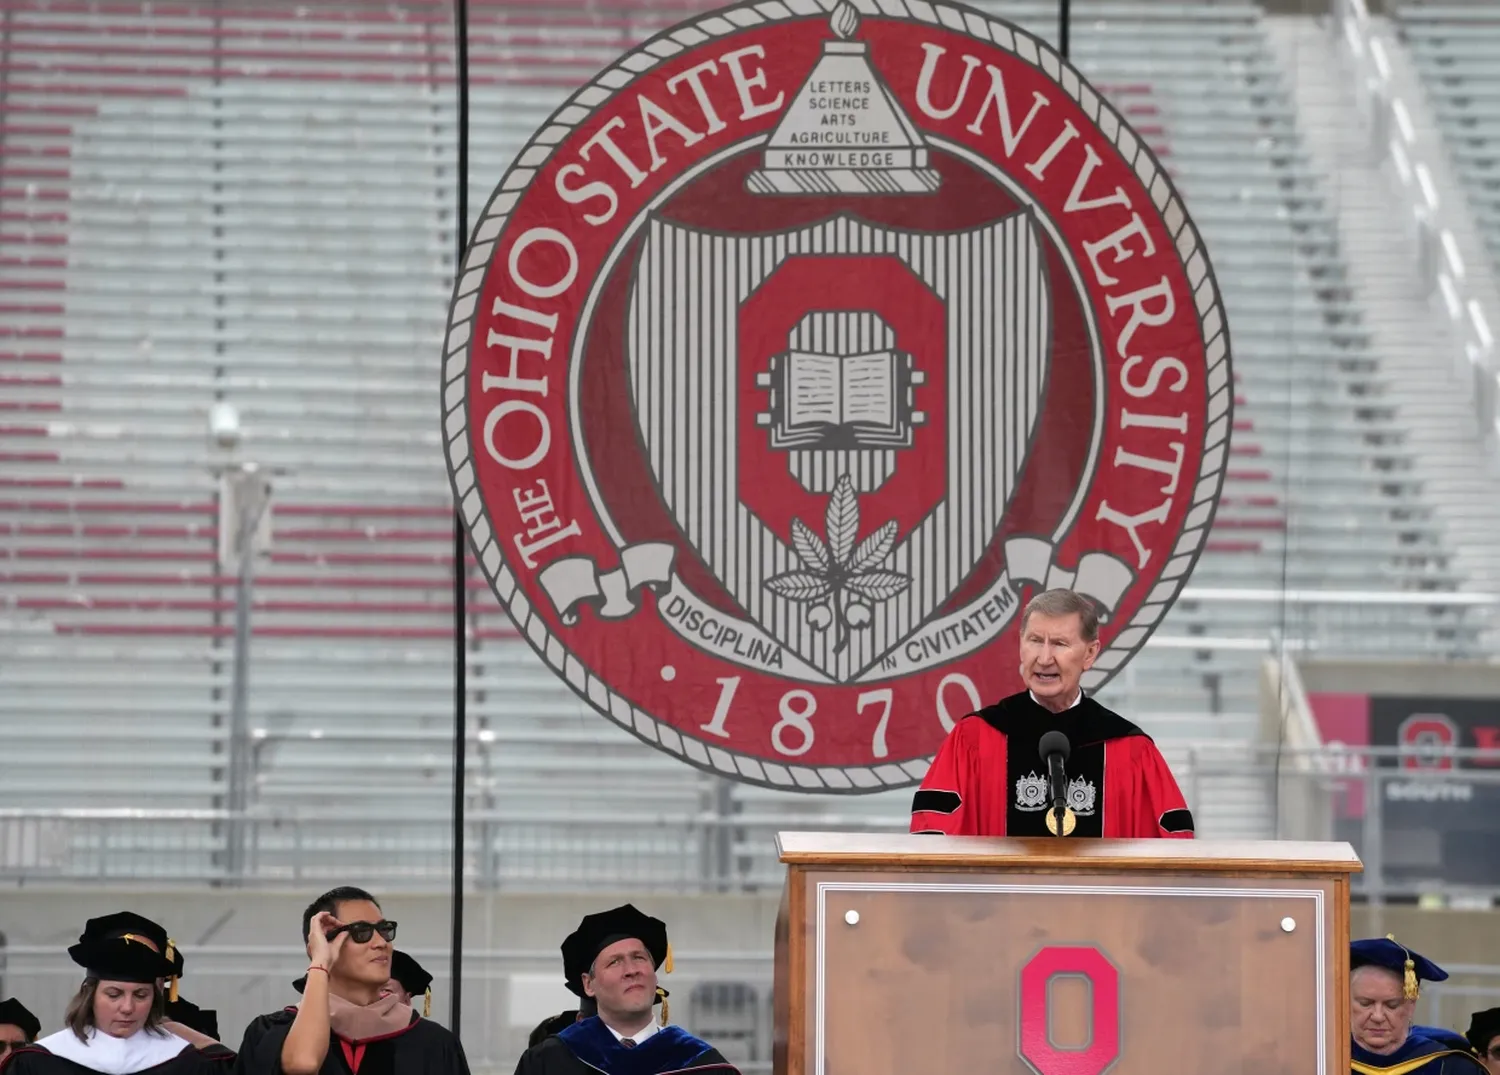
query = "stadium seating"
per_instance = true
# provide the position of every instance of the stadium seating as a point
(1456, 47)
(255, 205)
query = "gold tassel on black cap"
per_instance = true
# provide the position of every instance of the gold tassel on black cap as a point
(427, 1004)
(666, 966)
(171, 954)
(131, 938)
(1409, 985)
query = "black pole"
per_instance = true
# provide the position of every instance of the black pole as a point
(1064, 25)
(460, 552)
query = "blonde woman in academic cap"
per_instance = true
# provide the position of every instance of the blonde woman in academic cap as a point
(116, 1023)
(1384, 981)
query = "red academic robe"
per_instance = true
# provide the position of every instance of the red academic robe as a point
(988, 778)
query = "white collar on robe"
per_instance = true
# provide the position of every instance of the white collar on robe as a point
(640, 1035)
(1077, 699)
(115, 1056)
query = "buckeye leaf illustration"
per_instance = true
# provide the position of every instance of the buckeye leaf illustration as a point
(840, 579)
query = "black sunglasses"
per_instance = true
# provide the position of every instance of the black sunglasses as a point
(361, 932)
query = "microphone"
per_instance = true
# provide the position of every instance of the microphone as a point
(1055, 749)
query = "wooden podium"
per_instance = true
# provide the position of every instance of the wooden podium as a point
(922, 955)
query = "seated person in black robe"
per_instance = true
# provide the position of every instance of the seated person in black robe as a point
(347, 1024)
(116, 1022)
(185, 1015)
(1384, 979)
(612, 959)
(18, 1027)
(560, 1022)
(1483, 1037)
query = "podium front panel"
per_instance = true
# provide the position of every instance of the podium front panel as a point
(1049, 975)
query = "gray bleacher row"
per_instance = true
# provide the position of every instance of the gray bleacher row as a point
(284, 244)
(1456, 48)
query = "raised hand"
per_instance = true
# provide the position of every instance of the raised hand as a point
(320, 950)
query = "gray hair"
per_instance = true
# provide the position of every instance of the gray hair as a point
(1065, 603)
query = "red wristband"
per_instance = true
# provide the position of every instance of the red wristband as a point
(317, 966)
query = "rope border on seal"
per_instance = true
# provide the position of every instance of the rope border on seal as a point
(672, 42)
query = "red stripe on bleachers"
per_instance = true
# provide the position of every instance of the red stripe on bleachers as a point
(60, 483)
(162, 507)
(330, 633)
(1228, 546)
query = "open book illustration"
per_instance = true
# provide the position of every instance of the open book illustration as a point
(841, 401)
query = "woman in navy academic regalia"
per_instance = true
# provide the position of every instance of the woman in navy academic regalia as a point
(1384, 979)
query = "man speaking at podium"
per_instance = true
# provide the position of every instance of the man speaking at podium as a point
(991, 778)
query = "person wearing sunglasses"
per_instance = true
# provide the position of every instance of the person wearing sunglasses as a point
(348, 1022)
(18, 1027)
(1484, 1037)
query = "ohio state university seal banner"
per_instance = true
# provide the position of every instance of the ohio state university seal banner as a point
(801, 346)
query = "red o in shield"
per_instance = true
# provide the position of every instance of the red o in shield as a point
(1422, 736)
(797, 351)
(1036, 1046)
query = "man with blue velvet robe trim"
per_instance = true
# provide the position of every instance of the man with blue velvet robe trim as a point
(611, 960)
(1384, 979)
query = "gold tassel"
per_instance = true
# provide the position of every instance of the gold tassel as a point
(1410, 987)
(666, 966)
(171, 958)
(427, 1004)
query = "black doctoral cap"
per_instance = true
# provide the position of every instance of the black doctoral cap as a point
(1483, 1026)
(127, 947)
(598, 931)
(203, 1020)
(12, 1011)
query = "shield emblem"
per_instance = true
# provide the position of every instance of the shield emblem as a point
(930, 378)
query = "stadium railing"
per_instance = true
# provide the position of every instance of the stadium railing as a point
(726, 844)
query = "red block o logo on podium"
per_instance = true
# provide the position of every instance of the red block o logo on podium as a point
(1036, 1046)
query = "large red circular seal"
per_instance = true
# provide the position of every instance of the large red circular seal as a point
(796, 350)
